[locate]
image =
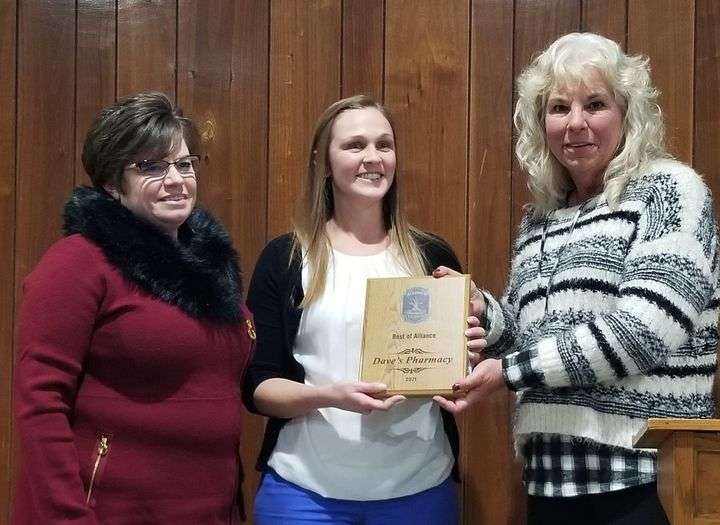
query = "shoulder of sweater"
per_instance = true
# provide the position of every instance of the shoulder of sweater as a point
(75, 249)
(670, 169)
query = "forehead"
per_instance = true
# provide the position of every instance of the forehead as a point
(591, 86)
(178, 148)
(361, 122)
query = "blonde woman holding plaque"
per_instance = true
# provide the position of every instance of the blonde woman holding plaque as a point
(336, 451)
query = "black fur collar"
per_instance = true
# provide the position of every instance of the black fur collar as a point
(198, 273)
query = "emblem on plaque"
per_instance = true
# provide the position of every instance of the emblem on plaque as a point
(416, 304)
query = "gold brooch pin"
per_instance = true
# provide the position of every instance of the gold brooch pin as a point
(250, 328)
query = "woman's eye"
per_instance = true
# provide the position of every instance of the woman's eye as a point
(355, 145)
(558, 108)
(385, 146)
(596, 105)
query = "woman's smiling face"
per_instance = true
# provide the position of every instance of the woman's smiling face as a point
(361, 155)
(583, 126)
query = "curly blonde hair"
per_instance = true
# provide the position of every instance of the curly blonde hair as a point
(573, 60)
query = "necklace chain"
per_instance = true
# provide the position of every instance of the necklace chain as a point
(548, 287)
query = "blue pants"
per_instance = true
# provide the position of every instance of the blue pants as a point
(279, 502)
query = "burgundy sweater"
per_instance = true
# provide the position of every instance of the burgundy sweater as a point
(127, 407)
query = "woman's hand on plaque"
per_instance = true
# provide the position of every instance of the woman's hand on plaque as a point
(476, 341)
(357, 396)
(477, 299)
(485, 379)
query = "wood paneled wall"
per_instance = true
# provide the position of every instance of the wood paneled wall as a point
(255, 74)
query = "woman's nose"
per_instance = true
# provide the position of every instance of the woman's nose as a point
(172, 177)
(576, 119)
(371, 155)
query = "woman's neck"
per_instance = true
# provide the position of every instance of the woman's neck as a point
(360, 231)
(579, 195)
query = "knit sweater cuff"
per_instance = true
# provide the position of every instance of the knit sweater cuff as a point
(494, 324)
(521, 370)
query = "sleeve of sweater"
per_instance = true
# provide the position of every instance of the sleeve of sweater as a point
(669, 279)
(62, 297)
(266, 299)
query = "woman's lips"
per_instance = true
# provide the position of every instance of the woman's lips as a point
(174, 198)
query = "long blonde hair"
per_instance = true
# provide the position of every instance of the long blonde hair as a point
(316, 207)
(571, 60)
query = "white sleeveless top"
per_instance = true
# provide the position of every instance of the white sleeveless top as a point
(345, 455)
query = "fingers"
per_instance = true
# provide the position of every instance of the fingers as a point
(472, 322)
(454, 406)
(474, 358)
(370, 388)
(442, 271)
(391, 401)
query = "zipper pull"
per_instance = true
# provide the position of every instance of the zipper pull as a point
(102, 446)
(102, 450)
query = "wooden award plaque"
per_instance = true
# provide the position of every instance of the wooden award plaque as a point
(414, 334)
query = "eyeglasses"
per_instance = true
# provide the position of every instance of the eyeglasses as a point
(157, 169)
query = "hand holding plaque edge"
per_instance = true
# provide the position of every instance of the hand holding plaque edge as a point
(475, 332)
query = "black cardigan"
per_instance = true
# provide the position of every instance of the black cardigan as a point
(274, 293)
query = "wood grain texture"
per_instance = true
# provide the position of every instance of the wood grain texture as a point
(146, 46)
(45, 144)
(706, 497)
(8, 78)
(489, 244)
(664, 30)
(223, 86)
(607, 18)
(363, 47)
(706, 136)
(426, 89)
(537, 25)
(95, 69)
(45, 135)
(304, 79)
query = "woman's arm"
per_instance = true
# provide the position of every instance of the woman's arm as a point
(273, 385)
(283, 398)
(61, 300)
(669, 279)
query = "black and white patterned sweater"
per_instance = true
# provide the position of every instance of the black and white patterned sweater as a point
(631, 326)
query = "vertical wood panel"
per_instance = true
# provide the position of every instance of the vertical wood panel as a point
(146, 41)
(304, 80)
(607, 18)
(664, 30)
(95, 69)
(45, 127)
(489, 239)
(707, 89)
(537, 25)
(223, 86)
(7, 242)
(46, 139)
(362, 47)
(426, 88)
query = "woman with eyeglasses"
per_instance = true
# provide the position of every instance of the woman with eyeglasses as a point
(610, 313)
(133, 340)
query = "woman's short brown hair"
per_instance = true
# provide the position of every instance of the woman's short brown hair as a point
(137, 127)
